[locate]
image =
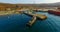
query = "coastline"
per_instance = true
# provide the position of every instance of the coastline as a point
(8, 13)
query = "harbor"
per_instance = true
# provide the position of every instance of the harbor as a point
(29, 16)
(17, 23)
(29, 21)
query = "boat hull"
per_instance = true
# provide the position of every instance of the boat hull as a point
(54, 12)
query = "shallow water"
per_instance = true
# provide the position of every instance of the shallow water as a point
(17, 23)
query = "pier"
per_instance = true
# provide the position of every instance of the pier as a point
(31, 22)
(38, 16)
(34, 18)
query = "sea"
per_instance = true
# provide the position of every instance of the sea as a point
(17, 23)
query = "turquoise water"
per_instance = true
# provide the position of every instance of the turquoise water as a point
(17, 23)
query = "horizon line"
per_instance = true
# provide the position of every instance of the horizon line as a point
(27, 3)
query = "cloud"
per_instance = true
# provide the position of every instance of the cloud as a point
(29, 1)
(51, 1)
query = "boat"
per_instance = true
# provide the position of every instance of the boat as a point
(54, 12)
(57, 13)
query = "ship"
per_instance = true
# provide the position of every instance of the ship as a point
(55, 12)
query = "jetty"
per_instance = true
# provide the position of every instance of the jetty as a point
(34, 18)
(31, 22)
(38, 16)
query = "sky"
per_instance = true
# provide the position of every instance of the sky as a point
(29, 1)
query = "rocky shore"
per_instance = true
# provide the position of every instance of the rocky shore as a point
(8, 12)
